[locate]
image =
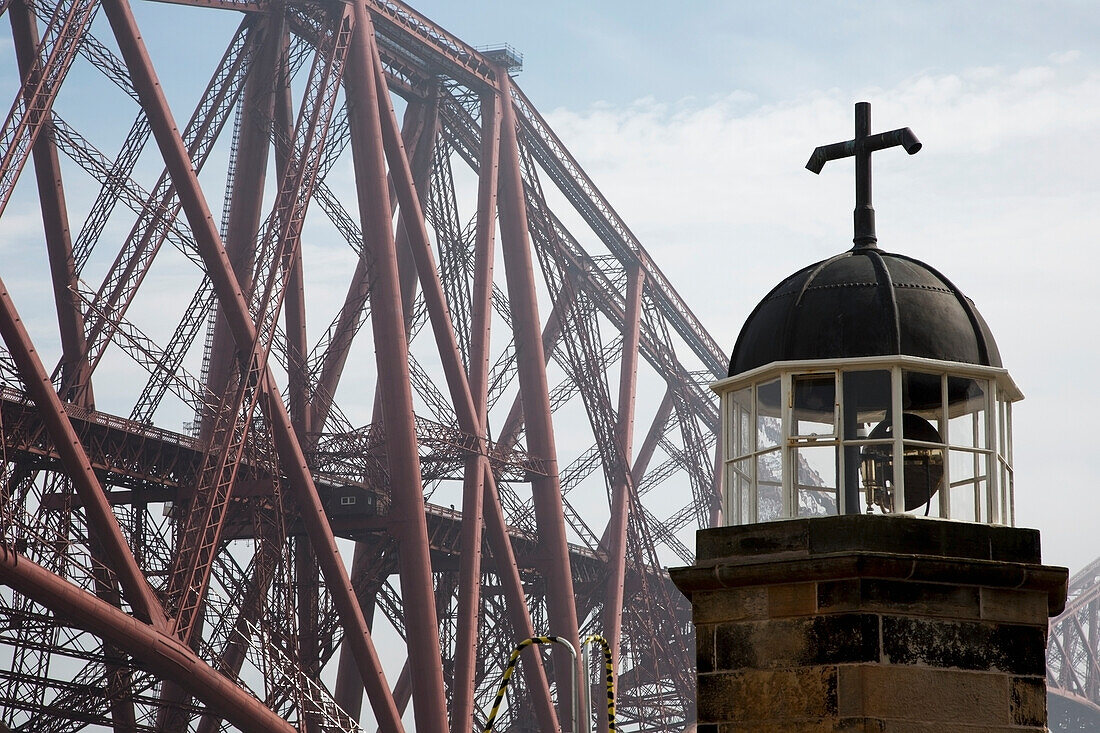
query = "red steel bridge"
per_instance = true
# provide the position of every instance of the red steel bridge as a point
(1073, 656)
(218, 513)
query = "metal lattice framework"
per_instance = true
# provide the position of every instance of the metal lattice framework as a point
(154, 579)
(1073, 656)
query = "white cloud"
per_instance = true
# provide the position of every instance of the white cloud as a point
(1000, 199)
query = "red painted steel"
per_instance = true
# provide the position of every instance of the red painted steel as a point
(616, 533)
(472, 413)
(473, 486)
(55, 217)
(246, 195)
(1073, 655)
(549, 513)
(103, 523)
(236, 311)
(159, 652)
(396, 396)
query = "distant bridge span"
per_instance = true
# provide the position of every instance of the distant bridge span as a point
(1073, 651)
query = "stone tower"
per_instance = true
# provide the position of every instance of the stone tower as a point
(870, 577)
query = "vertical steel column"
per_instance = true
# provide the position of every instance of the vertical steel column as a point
(236, 310)
(417, 133)
(306, 574)
(246, 198)
(55, 216)
(420, 164)
(504, 565)
(473, 486)
(75, 370)
(294, 305)
(652, 438)
(551, 334)
(461, 396)
(422, 627)
(620, 500)
(245, 209)
(545, 490)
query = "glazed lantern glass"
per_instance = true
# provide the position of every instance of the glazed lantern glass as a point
(875, 435)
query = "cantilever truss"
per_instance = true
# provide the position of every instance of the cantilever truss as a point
(159, 580)
(1073, 656)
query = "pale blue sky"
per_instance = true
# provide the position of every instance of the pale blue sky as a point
(579, 52)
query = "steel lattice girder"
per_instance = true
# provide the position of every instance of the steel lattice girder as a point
(205, 565)
(1073, 655)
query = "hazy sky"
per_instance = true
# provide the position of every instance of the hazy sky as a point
(696, 120)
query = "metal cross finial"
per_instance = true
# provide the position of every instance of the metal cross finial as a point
(861, 147)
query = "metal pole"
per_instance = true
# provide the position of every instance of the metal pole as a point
(545, 490)
(620, 501)
(429, 696)
(586, 714)
(473, 489)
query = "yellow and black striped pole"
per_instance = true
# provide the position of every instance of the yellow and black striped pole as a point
(510, 669)
(609, 675)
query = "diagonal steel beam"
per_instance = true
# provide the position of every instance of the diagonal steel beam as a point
(101, 520)
(364, 99)
(237, 314)
(160, 653)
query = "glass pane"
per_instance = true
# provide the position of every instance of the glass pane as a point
(866, 401)
(816, 488)
(814, 405)
(964, 486)
(922, 401)
(922, 394)
(966, 400)
(923, 479)
(739, 491)
(769, 486)
(741, 423)
(769, 423)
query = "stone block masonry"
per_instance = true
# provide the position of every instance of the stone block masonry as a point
(871, 623)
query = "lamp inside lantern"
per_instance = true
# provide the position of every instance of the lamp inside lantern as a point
(923, 467)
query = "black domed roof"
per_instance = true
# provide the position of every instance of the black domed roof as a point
(864, 302)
